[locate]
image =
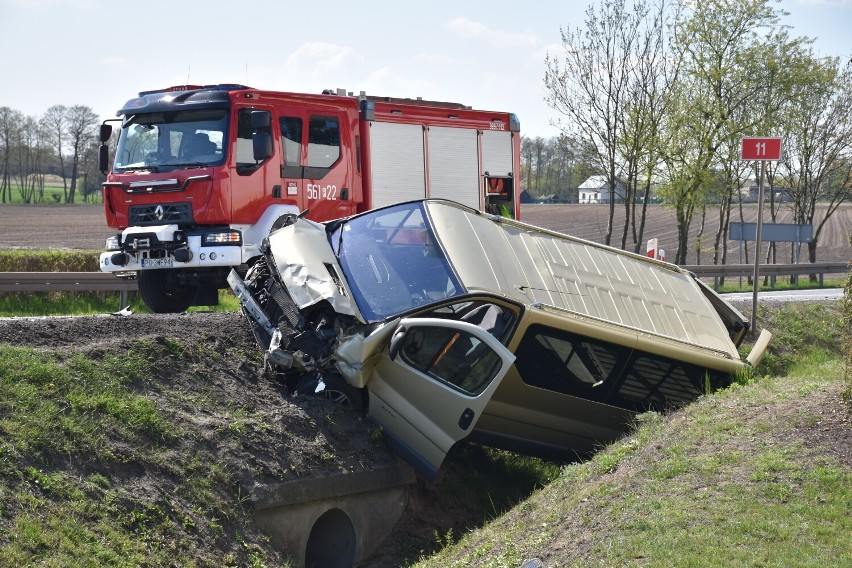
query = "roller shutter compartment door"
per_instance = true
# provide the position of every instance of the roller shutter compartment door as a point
(398, 165)
(497, 153)
(454, 165)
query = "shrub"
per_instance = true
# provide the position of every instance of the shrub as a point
(49, 261)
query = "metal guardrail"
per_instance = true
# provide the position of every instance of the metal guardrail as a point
(64, 282)
(771, 270)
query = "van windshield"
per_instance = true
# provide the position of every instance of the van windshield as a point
(392, 261)
(164, 141)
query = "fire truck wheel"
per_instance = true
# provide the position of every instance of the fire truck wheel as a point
(164, 292)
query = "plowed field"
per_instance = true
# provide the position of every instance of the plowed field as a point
(83, 227)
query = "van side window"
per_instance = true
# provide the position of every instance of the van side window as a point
(609, 373)
(451, 356)
(666, 382)
(291, 144)
(323, 145)
(567, 363)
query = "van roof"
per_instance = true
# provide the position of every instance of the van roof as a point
(534, 265)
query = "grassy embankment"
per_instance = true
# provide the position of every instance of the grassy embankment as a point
(742, 477)
(751, 476)
(104, 463)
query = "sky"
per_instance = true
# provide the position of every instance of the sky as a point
(487, 54)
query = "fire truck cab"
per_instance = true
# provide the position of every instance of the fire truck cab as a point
(201, 174)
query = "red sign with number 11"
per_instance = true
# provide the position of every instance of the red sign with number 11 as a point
(761, 148)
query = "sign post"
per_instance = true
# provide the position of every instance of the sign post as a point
(763, 149)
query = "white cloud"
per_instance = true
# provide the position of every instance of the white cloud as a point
(386, 82)
(829, 3)
(116, 62)
(317, 59)
(38, 4)
(469, 29)
(437, 59)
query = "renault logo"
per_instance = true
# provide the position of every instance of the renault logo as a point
(158, 212)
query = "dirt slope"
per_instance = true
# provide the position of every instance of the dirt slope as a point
(233, 426)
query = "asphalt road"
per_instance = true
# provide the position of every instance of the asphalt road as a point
(788, 295)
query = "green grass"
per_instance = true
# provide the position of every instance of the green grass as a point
(728, 480)
(88, 303)
(53, 195)
(74, 303)
(67, 490)
(62, 411)
(49, 261)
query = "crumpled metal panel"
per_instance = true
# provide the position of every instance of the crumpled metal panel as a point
(308, 267)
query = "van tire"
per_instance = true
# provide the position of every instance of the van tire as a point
(336, 389)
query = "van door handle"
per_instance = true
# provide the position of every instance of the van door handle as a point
(466, 419)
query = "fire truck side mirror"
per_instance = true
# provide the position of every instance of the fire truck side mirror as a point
(261, 119)
(105, 133)
(103, 158)
(261, 123)
(103, 149)
(262, 142)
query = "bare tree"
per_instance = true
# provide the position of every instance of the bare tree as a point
(55, 123)
(29, 161)
(81, 122)
(646, 104)
(589, 84)
(10, 125)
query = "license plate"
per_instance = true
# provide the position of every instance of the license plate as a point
(156, 263)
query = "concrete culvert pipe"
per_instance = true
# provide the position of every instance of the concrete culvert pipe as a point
(331, 543)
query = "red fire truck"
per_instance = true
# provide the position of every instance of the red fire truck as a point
(202, 174)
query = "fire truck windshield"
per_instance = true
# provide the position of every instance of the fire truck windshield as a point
(164, 141)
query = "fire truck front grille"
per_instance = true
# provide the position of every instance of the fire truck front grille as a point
(161, 214)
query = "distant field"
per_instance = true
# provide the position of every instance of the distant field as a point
(589, 222)
(84, 227)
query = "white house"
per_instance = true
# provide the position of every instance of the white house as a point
(597, 190)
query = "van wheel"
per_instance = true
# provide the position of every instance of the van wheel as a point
(336, 390)
(164, 292)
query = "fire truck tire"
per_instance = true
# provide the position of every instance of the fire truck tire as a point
(164, 292)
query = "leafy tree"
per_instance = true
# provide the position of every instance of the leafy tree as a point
(817, 162)
(728, 55)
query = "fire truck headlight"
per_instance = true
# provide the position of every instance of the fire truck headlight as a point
(112, 244)
(229, 237)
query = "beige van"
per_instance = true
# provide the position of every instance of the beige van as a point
(447, 323)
